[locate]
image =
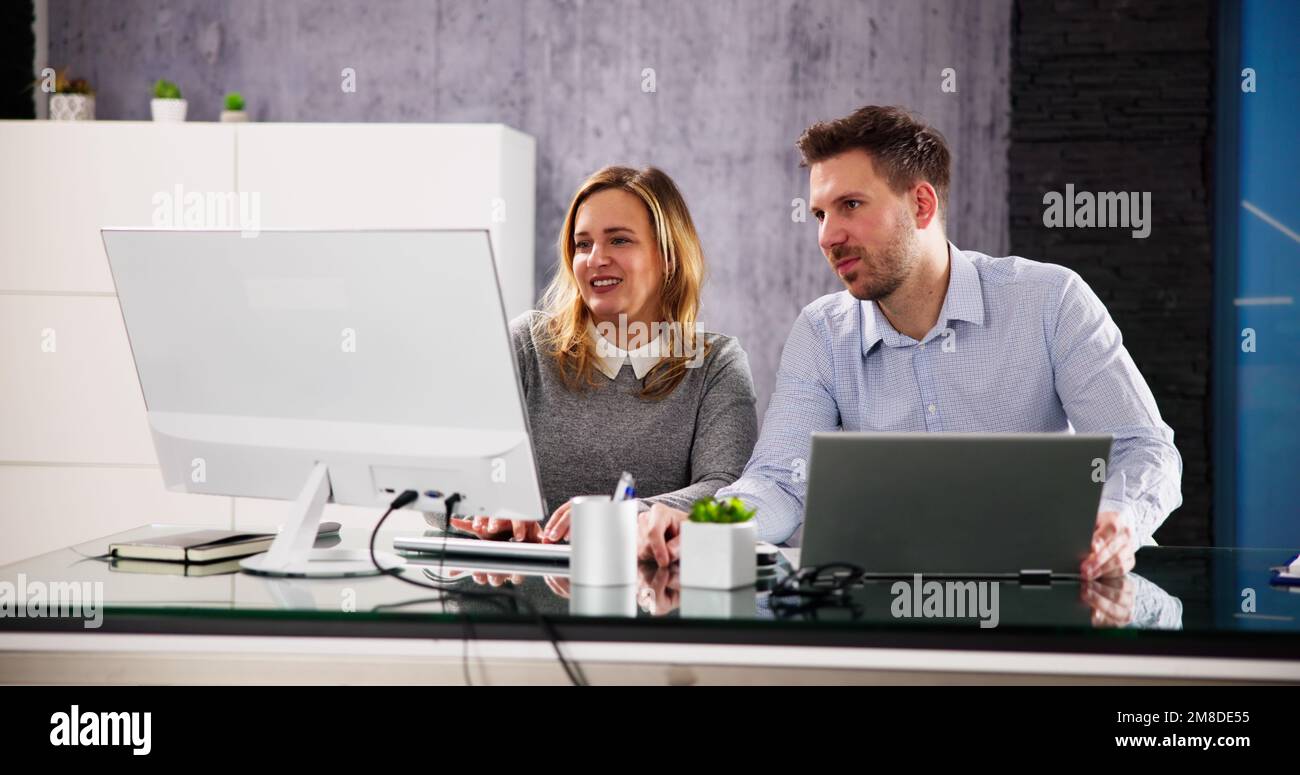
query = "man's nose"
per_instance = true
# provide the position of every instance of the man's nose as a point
(831, 234)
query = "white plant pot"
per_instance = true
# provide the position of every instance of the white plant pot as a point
(72, 107)
(168, 110)
(739, 603)
(718, 556)
(234, 116)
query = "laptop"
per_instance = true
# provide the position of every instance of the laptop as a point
(1014, 505)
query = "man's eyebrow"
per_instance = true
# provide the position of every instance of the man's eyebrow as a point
(848, 195)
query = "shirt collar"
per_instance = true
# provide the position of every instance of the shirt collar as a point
(964, 300)
(610, 358)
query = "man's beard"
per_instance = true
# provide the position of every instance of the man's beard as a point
(877, 276)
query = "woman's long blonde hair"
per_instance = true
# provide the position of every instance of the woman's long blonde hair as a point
(566, 315)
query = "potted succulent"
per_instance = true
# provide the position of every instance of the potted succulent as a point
(234, 110)
(72, 100)
(167, 104)
(718, 545)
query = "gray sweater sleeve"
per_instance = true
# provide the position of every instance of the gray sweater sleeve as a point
(726, 427)
(521, 341)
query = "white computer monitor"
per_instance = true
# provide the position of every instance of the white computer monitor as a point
(327, 366)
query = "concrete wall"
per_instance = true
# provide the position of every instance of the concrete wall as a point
(736, 81)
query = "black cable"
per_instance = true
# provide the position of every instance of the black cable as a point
(464, 649)
(573, 671)
(448, 508)
(405, 499)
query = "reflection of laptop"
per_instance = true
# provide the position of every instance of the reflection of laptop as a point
(954, 504)
(460, 565)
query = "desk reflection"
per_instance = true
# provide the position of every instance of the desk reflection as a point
(1130, 601)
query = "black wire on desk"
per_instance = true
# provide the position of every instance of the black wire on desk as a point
(449, 508)
(469, 629)
(572, 670)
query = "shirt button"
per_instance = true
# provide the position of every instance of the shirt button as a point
(922, 345)
(931, 408)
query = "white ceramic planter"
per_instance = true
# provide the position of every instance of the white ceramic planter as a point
(168, 110)
(234, 116)
(739, 603)
(718, 556)
(72, 107)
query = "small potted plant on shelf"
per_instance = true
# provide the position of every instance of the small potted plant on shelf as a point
(718, 545)
(167, 104)
(72, 100)
(234, 110)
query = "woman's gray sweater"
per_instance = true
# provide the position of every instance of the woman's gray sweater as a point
(680, 448)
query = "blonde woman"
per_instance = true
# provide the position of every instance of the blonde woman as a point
(615, 374)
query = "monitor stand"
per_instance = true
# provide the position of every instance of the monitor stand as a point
(291, 553)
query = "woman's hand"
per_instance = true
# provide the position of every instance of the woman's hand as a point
(489, 529)
(559, 585)
(557, 527)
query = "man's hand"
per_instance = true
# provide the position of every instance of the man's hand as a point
(1111, 601)
(659, 535)
(1114, 548)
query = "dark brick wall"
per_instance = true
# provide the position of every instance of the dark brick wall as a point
(17, 49)
(1117, 96)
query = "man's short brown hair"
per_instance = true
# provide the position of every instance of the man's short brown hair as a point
(902, 146)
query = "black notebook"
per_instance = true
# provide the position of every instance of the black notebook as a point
(217, 568)
(203, 545)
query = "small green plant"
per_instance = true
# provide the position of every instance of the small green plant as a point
(234, 101)
(166, 90)
(720, 511)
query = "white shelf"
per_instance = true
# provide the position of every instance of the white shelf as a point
(76, 459)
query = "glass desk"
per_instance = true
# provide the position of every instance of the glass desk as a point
(1206, 613)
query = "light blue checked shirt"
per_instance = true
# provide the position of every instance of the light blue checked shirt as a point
(1019, 346)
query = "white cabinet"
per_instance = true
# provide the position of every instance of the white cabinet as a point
(61, 181)
(68, 388)
(76, 460)
(451, 176)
